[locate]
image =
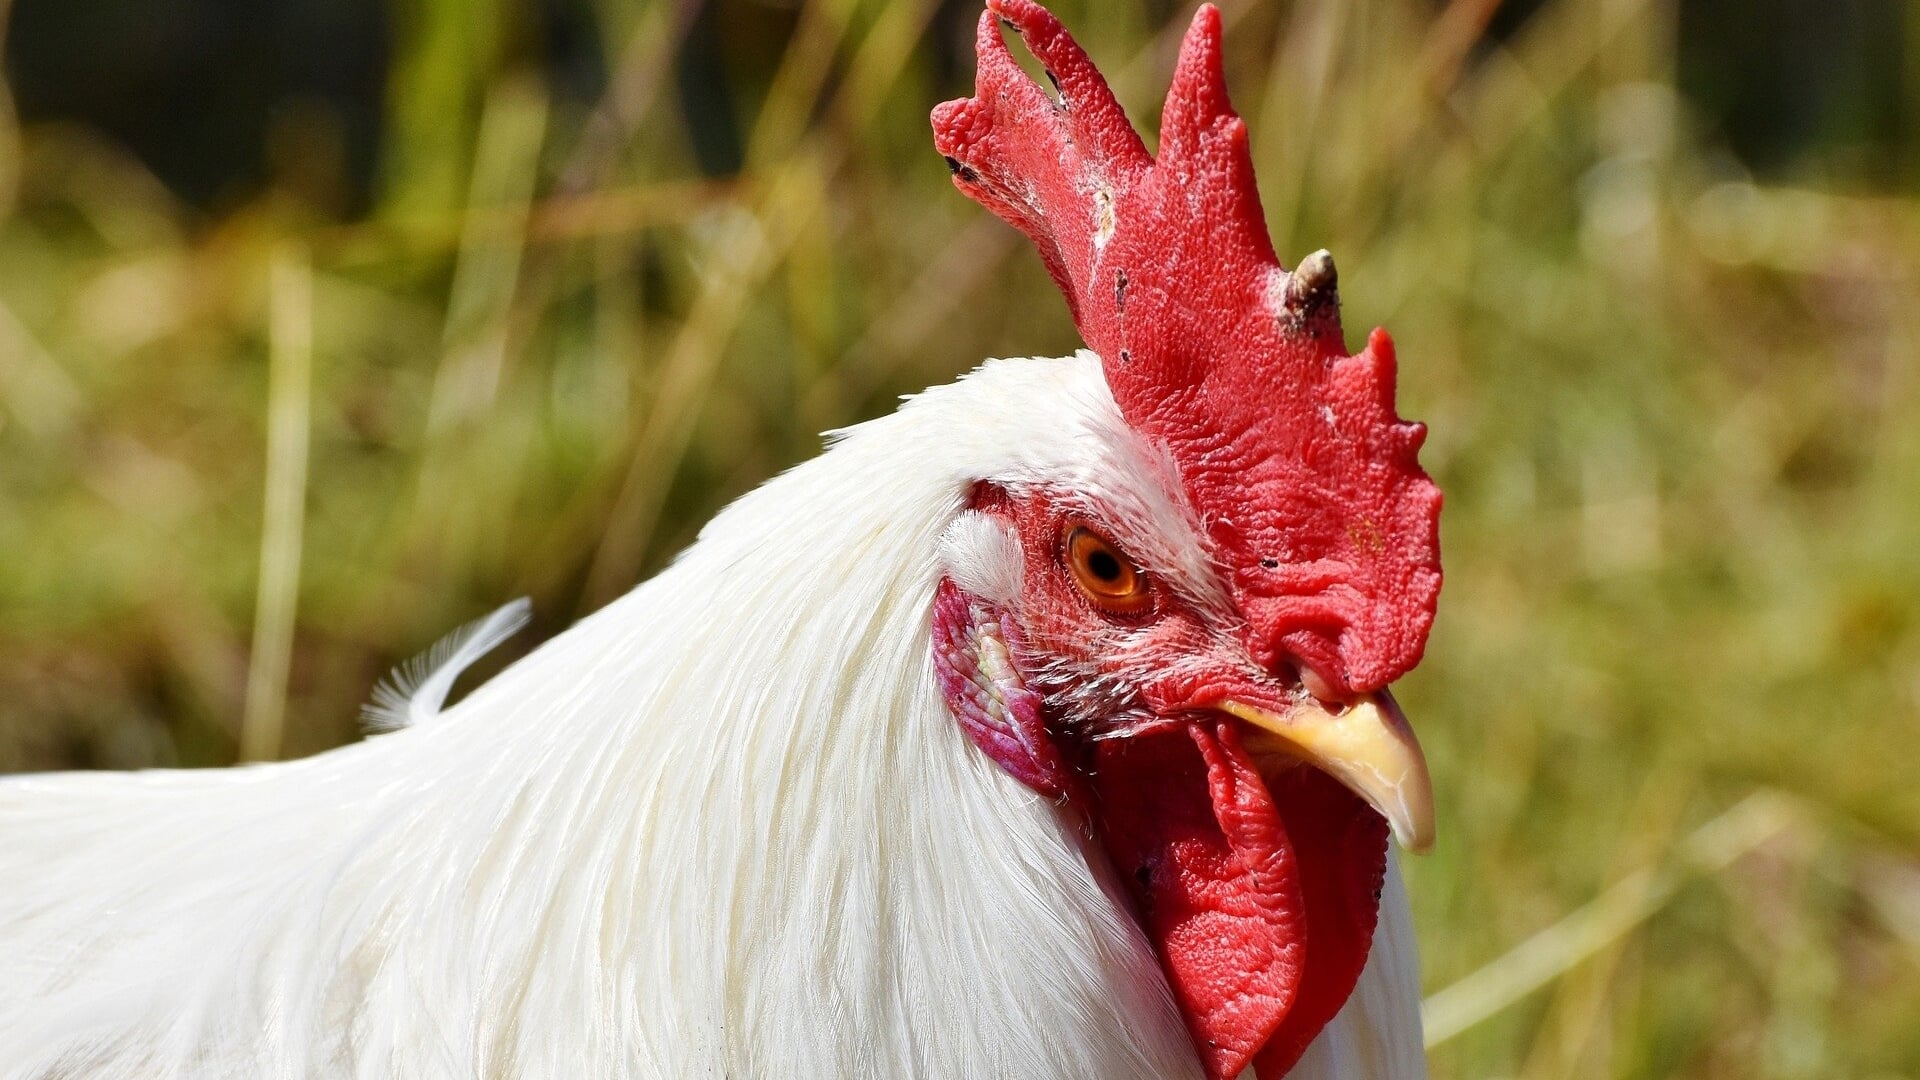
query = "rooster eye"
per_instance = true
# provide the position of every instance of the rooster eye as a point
(1104, 573)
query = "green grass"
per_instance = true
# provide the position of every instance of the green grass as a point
(1674, 692)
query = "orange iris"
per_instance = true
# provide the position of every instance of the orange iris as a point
(1105, 574)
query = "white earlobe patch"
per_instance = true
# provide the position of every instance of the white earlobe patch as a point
(980, 553)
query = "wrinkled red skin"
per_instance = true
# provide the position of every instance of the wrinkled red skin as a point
(1260, 894)
(1264, 914)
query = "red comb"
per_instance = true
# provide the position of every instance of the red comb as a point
(1308, 483)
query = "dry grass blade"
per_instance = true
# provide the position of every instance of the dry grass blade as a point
(484, 281)
(631, 92)
(1612, 915)
(750, 250)
(747, 250)
(33, 387)
(289, 423)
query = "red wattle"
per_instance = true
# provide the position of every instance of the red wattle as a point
(1340, 846)
(1261, 904)
(1186, 819)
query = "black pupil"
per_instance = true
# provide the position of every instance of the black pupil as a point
(1104, 566)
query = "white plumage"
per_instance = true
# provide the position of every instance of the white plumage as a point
(724, 827)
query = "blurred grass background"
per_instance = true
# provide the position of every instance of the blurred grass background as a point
(325, 326)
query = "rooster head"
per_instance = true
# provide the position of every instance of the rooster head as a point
(1191, 640)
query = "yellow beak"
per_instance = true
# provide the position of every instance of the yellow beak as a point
(1367, 745)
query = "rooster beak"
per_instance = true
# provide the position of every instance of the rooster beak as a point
(1367, 745)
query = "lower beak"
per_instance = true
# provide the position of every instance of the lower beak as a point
(1367, 745)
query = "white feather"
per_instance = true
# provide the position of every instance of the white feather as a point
(414, 692)
(724, 827)
(983, 557)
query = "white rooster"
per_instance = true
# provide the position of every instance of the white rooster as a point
(1038, 730)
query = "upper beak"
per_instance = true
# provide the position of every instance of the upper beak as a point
(1367, 745)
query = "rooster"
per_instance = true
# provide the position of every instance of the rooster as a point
(1040, 729)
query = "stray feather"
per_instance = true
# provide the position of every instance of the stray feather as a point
(414, 692)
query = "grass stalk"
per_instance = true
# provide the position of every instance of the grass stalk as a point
(1606, 919)
(283, 520)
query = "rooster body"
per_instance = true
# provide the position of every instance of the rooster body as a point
(1041, 729)
(662, 845)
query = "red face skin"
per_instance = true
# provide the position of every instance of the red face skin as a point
(1256, 878)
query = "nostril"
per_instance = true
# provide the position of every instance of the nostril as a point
(1291, 669)
(1321, 687)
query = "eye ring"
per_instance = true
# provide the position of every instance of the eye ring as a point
(1104, 573)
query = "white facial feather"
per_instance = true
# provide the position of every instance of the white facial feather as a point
(723, 827)
(982, 556)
